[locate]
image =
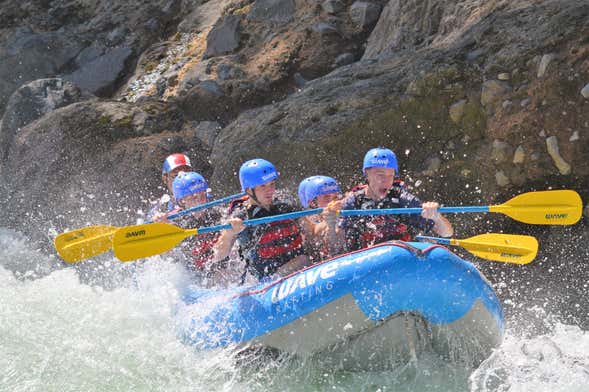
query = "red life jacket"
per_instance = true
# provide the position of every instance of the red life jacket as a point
(202, 246)
(267, 247)
(203, 250)
(281, 238)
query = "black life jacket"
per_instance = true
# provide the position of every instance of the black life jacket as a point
(267, 247)
(371, 230)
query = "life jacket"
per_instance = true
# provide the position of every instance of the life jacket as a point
(204, 250)
(371, 230)
(267, 247)
(202, 246)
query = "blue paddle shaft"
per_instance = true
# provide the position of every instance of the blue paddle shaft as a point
(259, 221)
(300, 214)
(407, 211)
(205, 205)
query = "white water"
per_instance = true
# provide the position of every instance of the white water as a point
(59, 333)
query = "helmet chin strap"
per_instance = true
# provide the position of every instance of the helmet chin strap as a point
(252, 196)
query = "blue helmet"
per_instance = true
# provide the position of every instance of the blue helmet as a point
(186, 184)
(303, 189)
(380, 157)
(256, 172)
(312, 187)
(174, 161)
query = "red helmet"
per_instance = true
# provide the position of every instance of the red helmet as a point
(174, 161)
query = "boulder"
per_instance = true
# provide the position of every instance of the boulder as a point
(405, 24)
(552, 146)
(206, 132)
(344, 59)
(501, 151)
(585, 91)
(102, 75)
(193, 74)
(28, 55)
(229, 71)
(325, 28)
(519, 155)
(224, 36)
(92, 161)
(493, 91)
(32, 101)
(364, 15)
(275, 11)
(457, 111)
(544, 63)
(333, 6)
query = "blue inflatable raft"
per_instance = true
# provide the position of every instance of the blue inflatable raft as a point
(378, 307)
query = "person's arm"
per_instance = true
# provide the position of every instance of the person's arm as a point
(442, 226)
(227, 239)
(334, 235)
(350, 227)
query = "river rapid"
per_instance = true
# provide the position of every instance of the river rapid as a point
(103, 325)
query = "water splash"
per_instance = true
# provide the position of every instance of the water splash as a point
(62, 331)
(557, 361)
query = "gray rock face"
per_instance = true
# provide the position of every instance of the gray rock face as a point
(26, 55)
(106, 155)
(224, 37)
(333, 6)
(456, 111)
(364, 14)
(585, 91)
(344, 59)
(100, 75)
(325, 28)
(405, 24)
(194, 74)
(207, 132)
(31, 102)
(502, 151)
(276, 11)
(212, 87)
(545, 63)
(493, 90)
(79, 38)
(228, 71)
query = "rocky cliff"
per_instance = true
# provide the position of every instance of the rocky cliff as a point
(481, 100)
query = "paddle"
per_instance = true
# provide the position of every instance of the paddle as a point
(204, 206)
(560, 207)
(135, 242)
(508, 248)
(544, 207)
(76, 245)
(80, 244)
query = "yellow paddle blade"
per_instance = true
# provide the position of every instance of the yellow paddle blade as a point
(508, 248)
(80, 244)
(561, 207)
(136, 242)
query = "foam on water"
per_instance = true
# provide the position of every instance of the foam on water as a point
(62, 331)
